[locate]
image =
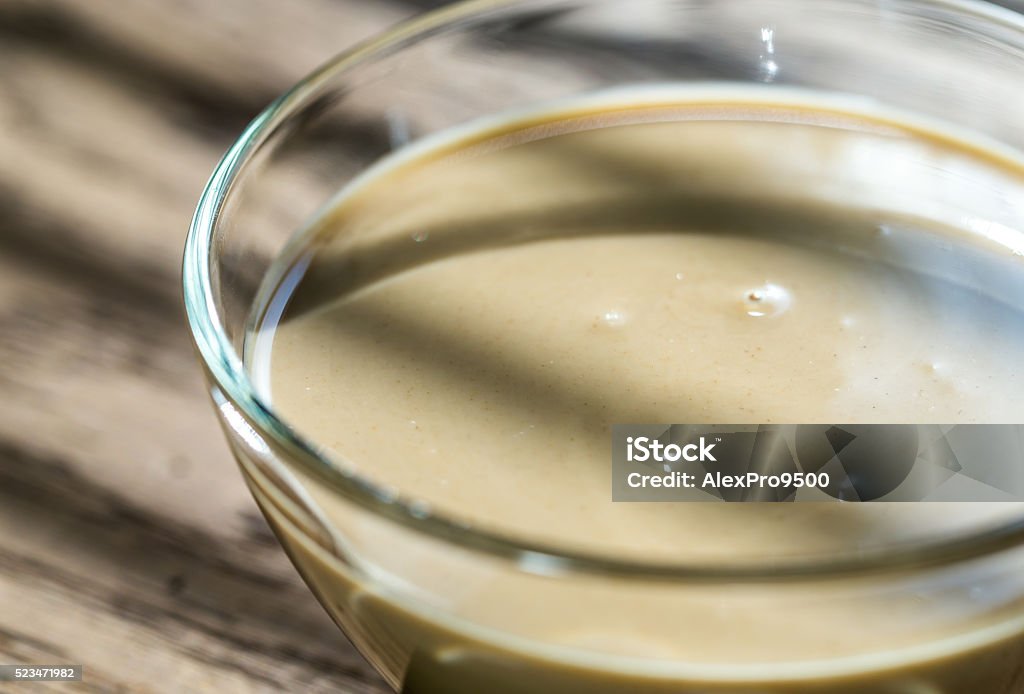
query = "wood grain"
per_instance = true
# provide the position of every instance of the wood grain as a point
(128, 542)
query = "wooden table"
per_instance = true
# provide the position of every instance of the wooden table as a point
(128, 541)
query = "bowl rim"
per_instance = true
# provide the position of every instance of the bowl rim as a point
(230, 381)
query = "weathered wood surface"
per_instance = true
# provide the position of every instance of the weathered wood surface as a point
(128, 542)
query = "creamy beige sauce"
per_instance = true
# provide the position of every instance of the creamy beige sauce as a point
(465, 326)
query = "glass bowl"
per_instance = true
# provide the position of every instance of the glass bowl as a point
(414, 589)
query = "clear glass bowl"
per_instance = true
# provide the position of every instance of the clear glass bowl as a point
(958, 62)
